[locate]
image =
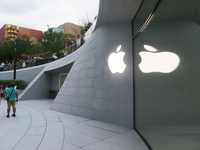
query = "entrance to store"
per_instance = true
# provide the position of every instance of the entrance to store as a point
(62, 78)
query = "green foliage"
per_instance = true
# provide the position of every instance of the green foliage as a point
(55, 41)
(8, 46)
(68, 38)
(85, 24)
(21, 84)
(86, 27)
(7, 50)
(36, 49)
(23, 44)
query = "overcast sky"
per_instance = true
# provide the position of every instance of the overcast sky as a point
(37, 14)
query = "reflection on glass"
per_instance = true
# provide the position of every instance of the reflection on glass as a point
(163, 62)
(150, 48)
(142, 15)
(168, 102)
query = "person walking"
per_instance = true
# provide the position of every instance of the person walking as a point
(2, 66)
(13, 94)
(0, 92)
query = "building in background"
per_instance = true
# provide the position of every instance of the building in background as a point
(70, 28)
(35, 35)
(58, 30)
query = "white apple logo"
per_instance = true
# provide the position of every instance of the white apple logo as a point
(115, 61)
(163, 62)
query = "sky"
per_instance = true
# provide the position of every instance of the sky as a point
(39, 14)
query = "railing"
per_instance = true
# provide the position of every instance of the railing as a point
(71, 49)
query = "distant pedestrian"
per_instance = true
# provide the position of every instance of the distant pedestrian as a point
(23, 64)
(82, 39)
(1, 66)
(1, 91)
(78, 41)
(13, 94)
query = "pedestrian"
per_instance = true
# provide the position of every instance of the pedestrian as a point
(13, 94)
(6, 87)
(1, 90)
(78, 41)
(2, 66)
(82, 39)
(23, 64)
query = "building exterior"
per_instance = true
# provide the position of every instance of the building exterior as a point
(33, 34)
(70, 28)
(160, 103)
(58, 30)
(3, 33)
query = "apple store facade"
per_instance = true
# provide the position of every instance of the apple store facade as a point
(156, 90)
(166, 41)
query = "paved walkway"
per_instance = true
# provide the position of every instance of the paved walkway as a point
(37, 128)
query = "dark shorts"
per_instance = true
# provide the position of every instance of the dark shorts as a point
(11, 103)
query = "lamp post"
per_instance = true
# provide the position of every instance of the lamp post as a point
(13, 35)
(16, 38)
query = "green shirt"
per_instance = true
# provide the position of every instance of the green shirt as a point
(13, 95)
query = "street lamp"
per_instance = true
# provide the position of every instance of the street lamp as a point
(16, 38)
(12, 33)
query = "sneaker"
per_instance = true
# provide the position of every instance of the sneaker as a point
(8, 116)
(14, 115)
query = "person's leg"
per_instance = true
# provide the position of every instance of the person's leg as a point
(8, 109)
(14, 109)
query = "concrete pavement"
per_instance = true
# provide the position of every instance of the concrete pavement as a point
(36, 127)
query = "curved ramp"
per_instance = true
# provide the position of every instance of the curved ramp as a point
(90, 89)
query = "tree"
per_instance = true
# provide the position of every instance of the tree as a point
(7, 48)
(24, 45)
(68, 38)
(7, 51)
(55, 41)
(36, 49)
(85, 24)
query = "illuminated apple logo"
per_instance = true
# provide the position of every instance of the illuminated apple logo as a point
(115, 61)
(153, 61)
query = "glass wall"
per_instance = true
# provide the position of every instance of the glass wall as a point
(167, 74)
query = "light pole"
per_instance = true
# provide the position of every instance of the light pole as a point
(16, 38)
(12, 33)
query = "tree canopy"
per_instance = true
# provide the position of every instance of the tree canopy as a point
(55, 41)
(7, 47)
(52, 41)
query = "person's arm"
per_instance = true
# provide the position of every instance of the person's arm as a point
(16, 97)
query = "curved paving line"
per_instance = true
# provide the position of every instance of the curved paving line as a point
(28, 127)
(48, 123)
(27, 108)
(62, 128)
(63, 131)
(11, 128)
(45, 114)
